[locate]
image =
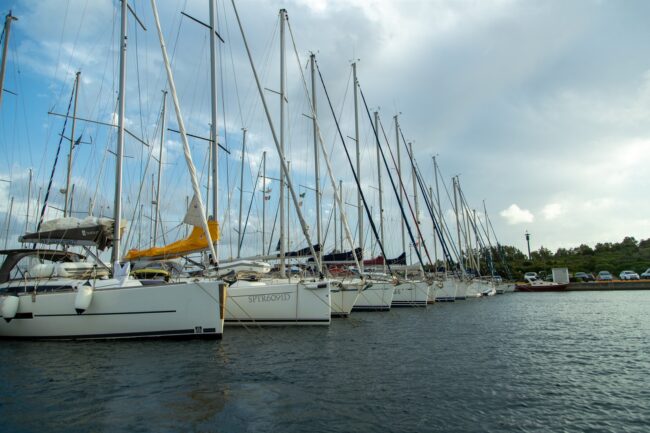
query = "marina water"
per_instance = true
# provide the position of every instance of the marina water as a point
(575, 361)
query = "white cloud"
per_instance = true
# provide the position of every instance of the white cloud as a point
(516, 215)
(552, 210)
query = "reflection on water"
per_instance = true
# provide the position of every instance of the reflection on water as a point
(519, 362)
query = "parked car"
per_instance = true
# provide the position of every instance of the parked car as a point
(583, 276)
(604, 276)
(646, 274)
(531, 275)
(629, 275)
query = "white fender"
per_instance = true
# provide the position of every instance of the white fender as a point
(10, 307)
(83, 298)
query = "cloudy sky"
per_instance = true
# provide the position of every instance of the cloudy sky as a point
(541, 108)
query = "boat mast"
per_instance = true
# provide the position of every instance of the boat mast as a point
(29, 197)
(117, 205)
(288, 232)
(381, 205)
(213, 110)
(67, 211)
(417, 203)
(435, 242)
(162, 140)
(437, 202)
(334, 218)
(181, 126)
(356, 141)
(292, 192)
(241, 191)
(283, 17)
(341, 217)
(11, 209)
(263, 200)
(312, 60)
(487, 232)
(8, 19)
(337, 197)
(460, 246)
(476, 235)
(399, 170)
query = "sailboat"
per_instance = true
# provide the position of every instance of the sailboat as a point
(53, 294)
(273, 301)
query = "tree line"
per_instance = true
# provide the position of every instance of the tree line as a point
(613, 257)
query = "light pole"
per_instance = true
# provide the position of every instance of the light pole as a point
(528, 242)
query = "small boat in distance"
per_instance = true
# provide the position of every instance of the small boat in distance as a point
(537, 285)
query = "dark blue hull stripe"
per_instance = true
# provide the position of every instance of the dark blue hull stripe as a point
(106, 314)
(254, 321)
(409, 304)
(208, 333)
(371, 308)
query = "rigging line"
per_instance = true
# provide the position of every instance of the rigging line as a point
(489, 258)
(76, 38)
(225, 138)
(178, 34)
(441, 214)
(436, 222)
(477, 236)
(58, 56)
(317, 133)
(458, 252)
(249, 207)
(56, 158)
(21, 87)
(275, 220)
(266, 66)
(327, 228)
(137, 73)
(392, 182)
(424, 194)
(354, 173)
(463, 230)
(276, 142)
(144, 179)
(101, 167)
(444, 187)
(232, 64)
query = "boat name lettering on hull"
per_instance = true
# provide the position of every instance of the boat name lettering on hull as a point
(273, 297)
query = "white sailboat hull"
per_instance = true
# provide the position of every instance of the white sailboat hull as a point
(166, 310)
(461, 289)
(343, 297)
(278, 303)
(474, 289)
(444, 291)
(377, 297)
(411, 294)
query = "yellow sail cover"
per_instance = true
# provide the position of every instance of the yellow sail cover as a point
(195, 242)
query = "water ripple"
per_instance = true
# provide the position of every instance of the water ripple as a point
(521, 362)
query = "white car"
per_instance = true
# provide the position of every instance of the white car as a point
(646, 274)
(532, 275)
(629, 275)
(604, 276)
